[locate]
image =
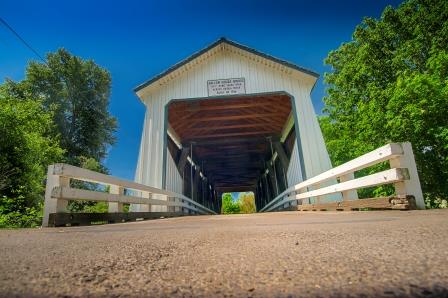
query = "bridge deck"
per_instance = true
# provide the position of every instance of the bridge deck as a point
(274, 254)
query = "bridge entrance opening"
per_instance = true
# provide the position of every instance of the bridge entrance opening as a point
(226, 144)
(238, 203)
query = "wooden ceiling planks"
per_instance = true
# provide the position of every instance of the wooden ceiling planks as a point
(229, 136)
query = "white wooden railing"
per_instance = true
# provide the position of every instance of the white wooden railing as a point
(58, 192)
(402, 174)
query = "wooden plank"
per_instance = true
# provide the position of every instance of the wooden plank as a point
(183, 158)
(180, 114)
(174, 136)
(381, 154)
(289, 124)
(384, 177)
(206, 118)
(95, 177)
(196, 178)
(227, 141)
(237, 188)
(392, 202)
(63, 219)
(260, 127)
(51, 205)
(229, 104)
(232, 134)
(411, 186)
(273, 177)
(278, 147)
(116, 206)
(75, 194)
(70, 171)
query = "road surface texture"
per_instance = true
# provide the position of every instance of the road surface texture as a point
(288, 254)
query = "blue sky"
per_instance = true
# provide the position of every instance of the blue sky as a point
(135, 40)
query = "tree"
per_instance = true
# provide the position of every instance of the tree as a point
(228, 206)
(390, 84)
(27, 146)
(246, 202)
(78, 92)
(58, 113)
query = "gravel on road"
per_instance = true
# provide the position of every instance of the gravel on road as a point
(284, 254)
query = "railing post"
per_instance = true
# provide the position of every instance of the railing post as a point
(412, 185)
(52, 205)
(173, 208)
(349, 194)
(184, 209)
(145, 207)
(178, 208)
(115, 206)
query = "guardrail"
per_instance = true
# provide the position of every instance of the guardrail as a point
(58, 192)
(402, 174)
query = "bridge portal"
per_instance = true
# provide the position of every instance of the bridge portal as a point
(229, 118)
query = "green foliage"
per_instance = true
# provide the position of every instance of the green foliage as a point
(59, 113)
(89, 206)
(244, 204)
(26, 148)
(437, 202)
(228, 206)
(100, 207)
(78, 91)
(26, 217)
(390, 84)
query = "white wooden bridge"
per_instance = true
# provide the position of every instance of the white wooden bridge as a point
(230, 119)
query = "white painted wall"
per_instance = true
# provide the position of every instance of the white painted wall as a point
(260, 77)
(294, 173)
(173, 177)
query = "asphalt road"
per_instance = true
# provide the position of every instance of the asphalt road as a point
(390, 253)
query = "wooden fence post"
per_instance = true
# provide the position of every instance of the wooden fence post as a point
(52, 205)
(115, 206)
(349, 194)
(145, 207)
(178, 208)
(412, 185)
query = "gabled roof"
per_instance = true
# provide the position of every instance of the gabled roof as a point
(232, 43)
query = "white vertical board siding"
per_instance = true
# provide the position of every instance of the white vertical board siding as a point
(173, 178)
(259, 78)
(294, 173)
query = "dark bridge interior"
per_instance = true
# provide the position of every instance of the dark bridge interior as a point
(232, 142)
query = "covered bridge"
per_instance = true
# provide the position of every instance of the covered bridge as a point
(227, 119)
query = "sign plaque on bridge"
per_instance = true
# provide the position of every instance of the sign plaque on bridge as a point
(226, 87)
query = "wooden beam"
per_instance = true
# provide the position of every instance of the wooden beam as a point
(232, 134)
(63, 219)
(278, 147)
(232, 156)
(233, 126)
(217, 107)
(236, 188)
(289, 124)
(271, 106)
(183, 159)
(392, 202)
(196, 179)
(206, 118)
(225, 141)
(230, 153)
(273, 177)
(174, 136)
(230, 141)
